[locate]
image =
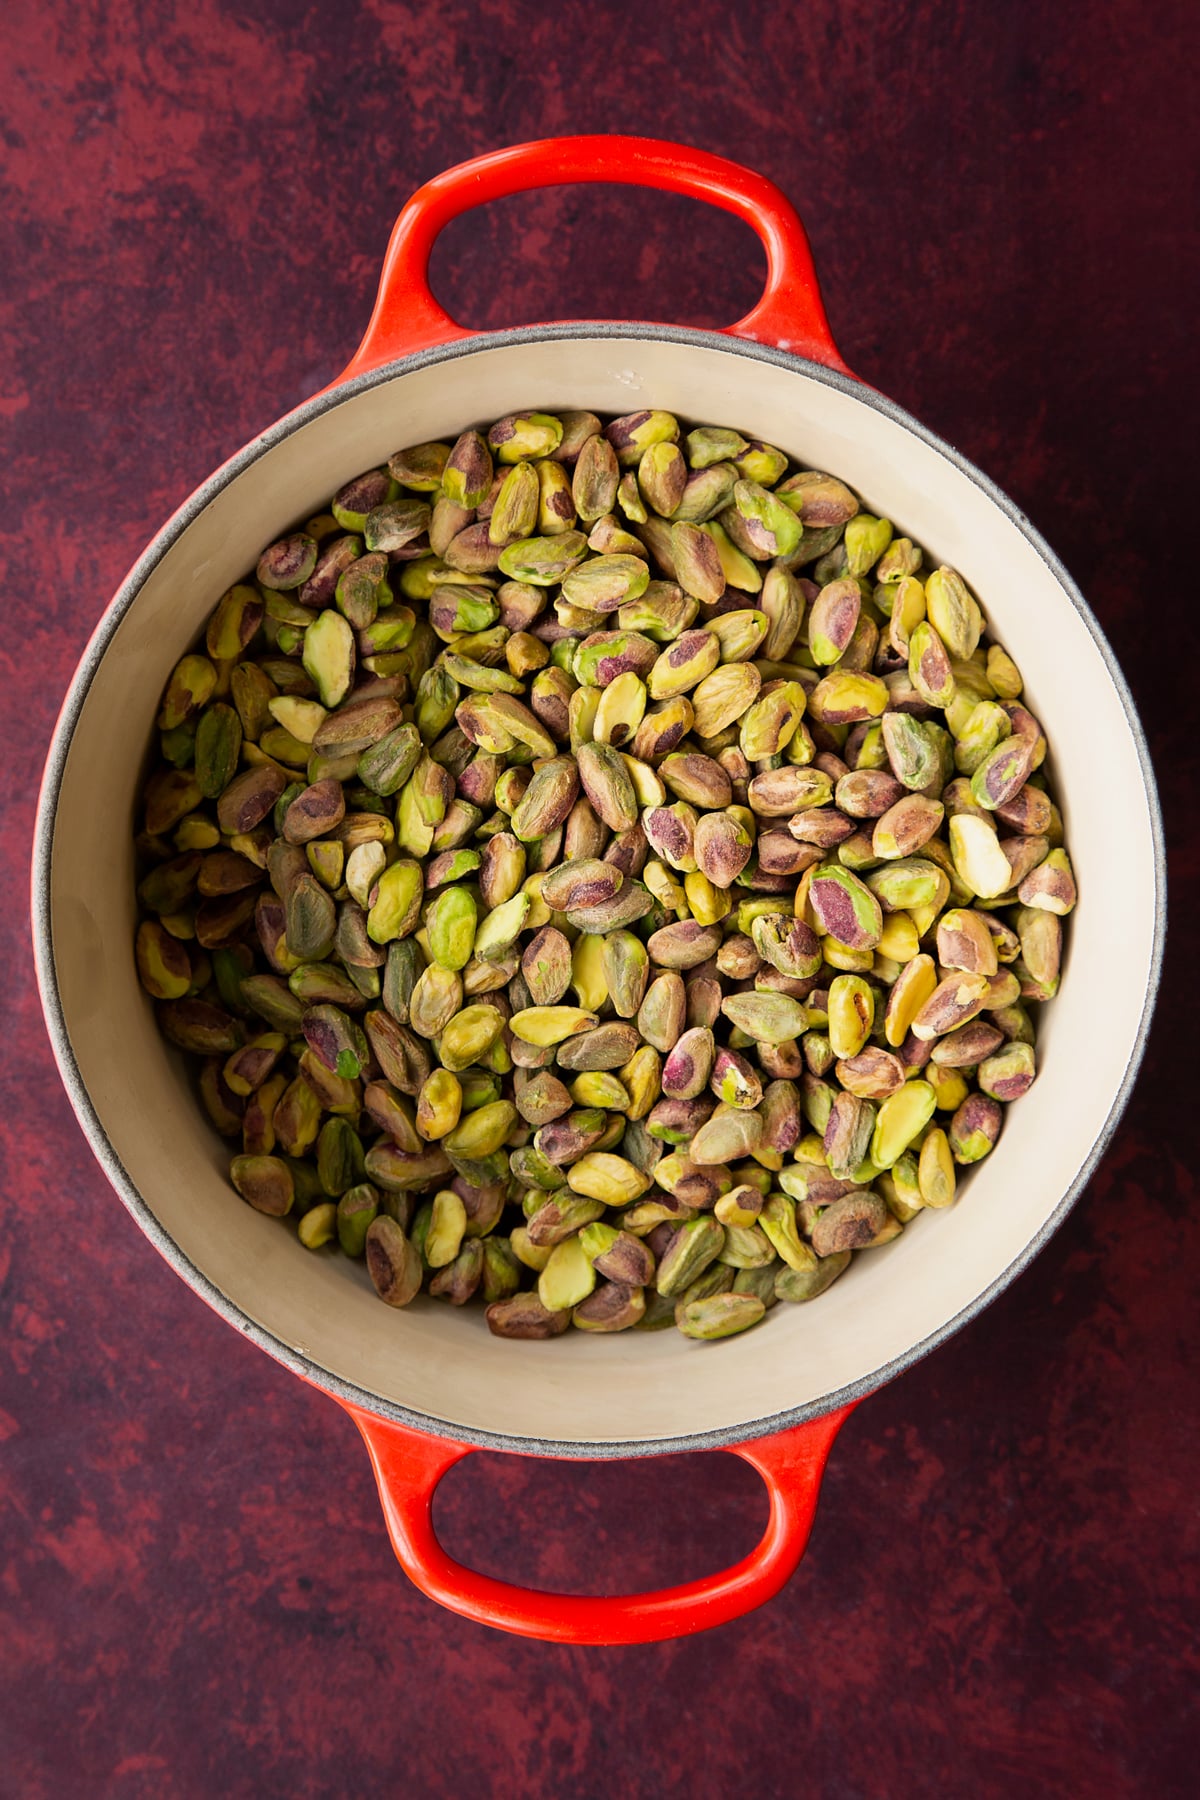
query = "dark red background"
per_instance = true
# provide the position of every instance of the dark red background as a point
(197, 1594)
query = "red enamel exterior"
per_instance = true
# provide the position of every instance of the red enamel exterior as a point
(408, 1464)
(407, 318)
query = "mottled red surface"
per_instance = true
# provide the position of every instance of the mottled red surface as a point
(197, 1596)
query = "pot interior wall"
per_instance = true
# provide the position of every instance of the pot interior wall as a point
(630, 1388)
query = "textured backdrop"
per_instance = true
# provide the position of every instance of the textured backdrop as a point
(197, 1596)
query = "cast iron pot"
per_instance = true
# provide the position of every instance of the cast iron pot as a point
(428, 1385)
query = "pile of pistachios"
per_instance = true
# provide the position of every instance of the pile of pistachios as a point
(600, 869)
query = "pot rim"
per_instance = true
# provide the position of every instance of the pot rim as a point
(348, 1392)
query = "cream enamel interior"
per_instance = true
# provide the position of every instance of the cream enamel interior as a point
(439, 1362)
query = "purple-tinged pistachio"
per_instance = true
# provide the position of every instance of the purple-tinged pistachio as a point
(845, 909)
(929, 667)
(237, 617)
(602, 656)
(975, 1127)
(525, 435)
(501, 871)
(871, 1074)
(778, 793)
(818, 500)
(661, 613)
(319, 589)
(192, 685)
(336, 1040)
(1008, 1073)
(1028, 811)
(550, 696)
(832, 619)
(315, 812)
(632, 903)
(629, 851)
(1024, 855)
(353, 502)
(393, 1262)
(584, 836)
(265, 1183)
(760, 523)
(608, 1046)
(689, 1064)
(467, 472)
(1050, 886)
(959, 997)
(778, 854)
(847, 1134)
(964, 1048)
(965, 942)
(171, 794)
(907, 826)
(1003, 772)
(685, 944)
(706, 493)
(605, 582)
(722, 848)
(823, 828)
(607, 784)
(850, 1223)
(673, 1121)
(580, 884)
(695, 778)
(695, 562)
(633, 433)
(847, 698)
(163, 964)
(524, 1316)
(671, 833)
(734, 1081)
(787, 944)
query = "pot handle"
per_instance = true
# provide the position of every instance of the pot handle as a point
(407, 318)
(409, 1465)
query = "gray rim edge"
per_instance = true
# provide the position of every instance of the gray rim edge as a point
(43, 844)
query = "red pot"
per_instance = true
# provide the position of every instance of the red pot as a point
(427, 1386)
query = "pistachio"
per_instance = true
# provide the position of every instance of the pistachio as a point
(550, 847)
